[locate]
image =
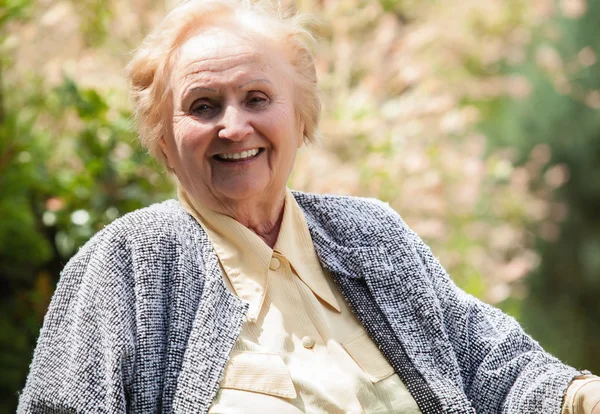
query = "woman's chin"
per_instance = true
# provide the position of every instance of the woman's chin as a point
(242, 191)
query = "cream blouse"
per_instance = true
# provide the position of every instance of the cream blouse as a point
(301, 350)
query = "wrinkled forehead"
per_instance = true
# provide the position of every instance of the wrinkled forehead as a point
(218, 49)
(215, 41)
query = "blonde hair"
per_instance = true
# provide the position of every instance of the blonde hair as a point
(149, 70)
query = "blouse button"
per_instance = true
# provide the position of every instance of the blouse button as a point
(275, 264)
(308, 342)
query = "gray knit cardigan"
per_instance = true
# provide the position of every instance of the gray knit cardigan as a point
(141, 321)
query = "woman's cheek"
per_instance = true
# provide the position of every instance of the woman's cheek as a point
(191, 135)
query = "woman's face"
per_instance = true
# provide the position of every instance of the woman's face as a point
(234, 131)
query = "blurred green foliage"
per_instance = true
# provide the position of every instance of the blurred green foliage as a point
(13, 9)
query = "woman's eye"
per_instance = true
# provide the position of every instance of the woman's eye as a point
(257, 101)
(203, 108)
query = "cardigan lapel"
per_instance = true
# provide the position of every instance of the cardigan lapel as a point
(394, 279)
(218, 323)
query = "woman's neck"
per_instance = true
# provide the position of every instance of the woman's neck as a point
(262, 217)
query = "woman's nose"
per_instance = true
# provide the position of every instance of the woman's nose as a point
(235, 124)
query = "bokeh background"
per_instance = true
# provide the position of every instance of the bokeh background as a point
(477, 120)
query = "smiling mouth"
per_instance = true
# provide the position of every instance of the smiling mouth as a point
(238, 156)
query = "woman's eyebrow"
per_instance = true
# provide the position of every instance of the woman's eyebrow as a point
(194, 91)
(255, 81)
(199, 89)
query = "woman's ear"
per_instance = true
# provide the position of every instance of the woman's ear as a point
(163, 146)
(301, 134)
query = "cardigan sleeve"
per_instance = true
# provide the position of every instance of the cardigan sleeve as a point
(83, 355)
(504, 370)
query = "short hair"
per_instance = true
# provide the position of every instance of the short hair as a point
(149, 70)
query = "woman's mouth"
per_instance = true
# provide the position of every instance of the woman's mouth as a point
(238, 156)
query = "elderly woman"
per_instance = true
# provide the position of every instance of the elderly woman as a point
(246, 297)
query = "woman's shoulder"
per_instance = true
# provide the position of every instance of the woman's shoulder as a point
(364, 210)
(155, 228)
(167, 214)
(134, 250)
(153, 222)
(349, 220)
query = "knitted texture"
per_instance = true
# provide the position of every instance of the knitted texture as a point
(141, 321)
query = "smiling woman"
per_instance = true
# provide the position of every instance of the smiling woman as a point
(235, 133)
(246, 297)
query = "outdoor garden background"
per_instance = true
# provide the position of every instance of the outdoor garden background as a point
(477, 120)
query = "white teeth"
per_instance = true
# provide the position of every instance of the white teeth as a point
(238, 155)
